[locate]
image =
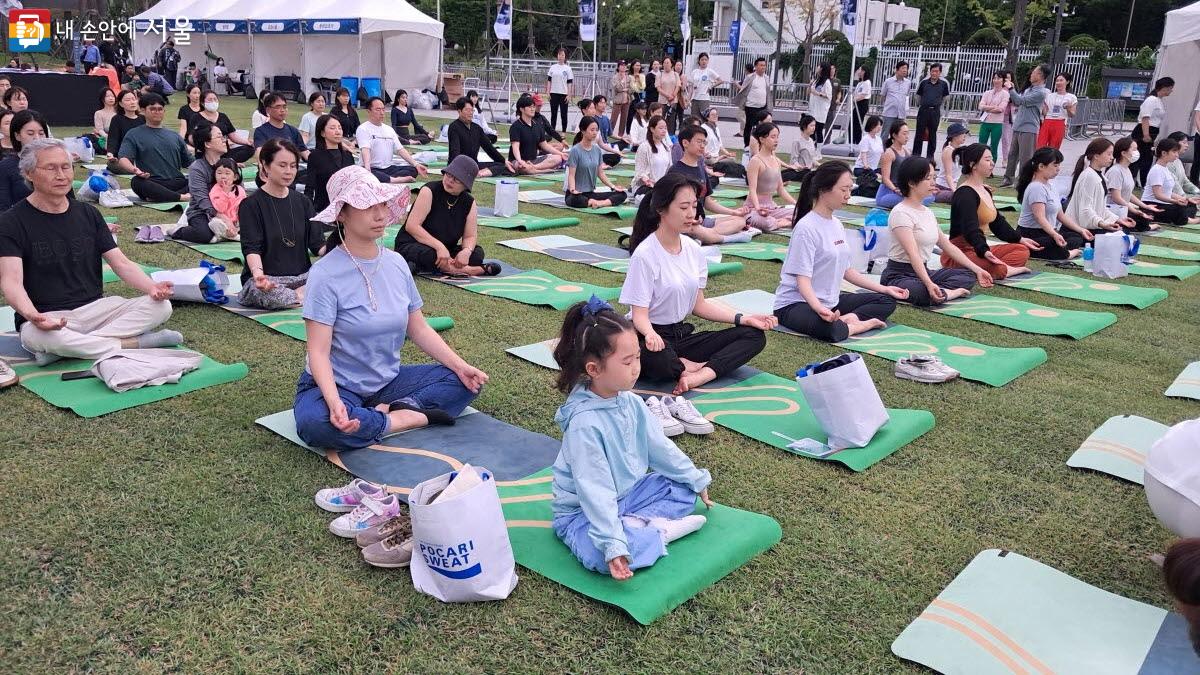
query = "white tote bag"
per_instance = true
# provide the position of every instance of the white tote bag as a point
(506, 199)
(844, 400)
(1112, 251)
(461, 551)
(867, 244)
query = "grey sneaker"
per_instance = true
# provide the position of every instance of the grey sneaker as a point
(924, 368)
(395, 551)
(8, 376)
(401, 524)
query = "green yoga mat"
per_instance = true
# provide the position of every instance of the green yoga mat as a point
(1145, 268)
(1187, 385)
(555, 200)
(1007, 614)
(996, 366)
(771, 409)
(225, 250)
(756, 251)
(534, 180)
(1168, 253)
(729, 540)
(600, 256)
(163, 206)
(1119, 446)
(524, 221)
(92, 398)
(1091, 290)
(108, 275)
(1189, 237)
(535, 287)
(290, 322)
(1026, 316)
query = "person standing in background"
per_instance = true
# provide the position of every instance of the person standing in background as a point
(1150, 118)
(932, 91)
(1026, 121)
(621, 88)
(993, 104)
(895, 92)
(1058, 108)
(652, 82)
(755, 103)
(820, 98)
(1194, 174)
(703, 80)
(741, 111)
(835, 101)
(862, 102)
(560, 85)
(670, 85)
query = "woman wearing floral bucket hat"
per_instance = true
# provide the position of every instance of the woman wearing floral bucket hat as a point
(360, 305)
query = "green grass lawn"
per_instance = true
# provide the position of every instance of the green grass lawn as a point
(178, 536)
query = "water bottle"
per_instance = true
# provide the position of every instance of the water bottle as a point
(1088, 254)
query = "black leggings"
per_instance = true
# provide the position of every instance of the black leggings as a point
(159, 189)
(801, 318)
(579, 200)
(1174, 214)
(722, 350)
(196, 231)
(1146, 152)
(240, 153)
(903, 275)
(386, 174)
(558, 102)
(729, 168)
(753, 115)
(793, 175)
(1051, 250)
(497, 168)
(424, 258)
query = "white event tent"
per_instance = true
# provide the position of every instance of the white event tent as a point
(1177, 58)
(389, 39)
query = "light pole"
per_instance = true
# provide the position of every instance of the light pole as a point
(1129, 24)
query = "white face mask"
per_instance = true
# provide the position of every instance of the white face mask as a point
(211, 106)
(1134, 157)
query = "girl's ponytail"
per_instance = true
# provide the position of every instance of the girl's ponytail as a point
(587, 333)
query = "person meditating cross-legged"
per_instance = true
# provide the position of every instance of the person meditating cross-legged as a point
(915, 233)
(972, 209)
(665, 284)
(155, 156)
(278, 233)
(441, 230)
(585, 169)
(51, 272)
(810, 299)
(360, 305)
(379, 144)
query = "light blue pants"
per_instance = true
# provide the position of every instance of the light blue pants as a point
(886, 199)
(654, 496)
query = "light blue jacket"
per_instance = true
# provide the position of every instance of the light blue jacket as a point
(608, 445)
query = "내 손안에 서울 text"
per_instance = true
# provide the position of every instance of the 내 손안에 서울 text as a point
(31, 30)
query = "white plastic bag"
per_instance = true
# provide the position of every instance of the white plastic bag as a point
(461, 551)
(844, 400)
(1112, 250)
(867, 244)
(190, 283)
(81, 148)
(506, 198)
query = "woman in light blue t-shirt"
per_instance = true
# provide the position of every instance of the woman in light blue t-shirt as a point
(360, 305)
(1042, 217)
(585, 168)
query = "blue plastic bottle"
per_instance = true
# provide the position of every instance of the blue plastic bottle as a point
(1088, 254)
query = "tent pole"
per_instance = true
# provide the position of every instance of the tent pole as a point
(354, 94)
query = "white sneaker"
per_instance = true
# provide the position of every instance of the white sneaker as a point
(670, 425)
(8, 376)
(684, 411)
(923, 368)
(370, 513)
(346, 498)
(753, 231)
(738, 237)
(679, 528)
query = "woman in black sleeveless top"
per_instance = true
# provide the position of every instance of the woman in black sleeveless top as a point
(441, 231)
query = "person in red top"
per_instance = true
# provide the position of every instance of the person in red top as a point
(106, 70)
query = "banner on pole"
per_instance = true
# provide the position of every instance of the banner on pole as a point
(587, 20)
(503, 25)
(735, 35)
(685, 22)
(849, 19)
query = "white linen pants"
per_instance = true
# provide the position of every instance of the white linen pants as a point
(97, 328)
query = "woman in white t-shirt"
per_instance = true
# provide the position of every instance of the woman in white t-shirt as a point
(308, 123)
(665, 284)
(639, 120)
(870, 148)
(653, 158)
(560, 85)
(716, 156)
(915, 233)
(1120, 187)
(809, 298)
(1160, 185)
(1058, 106)
(820, 95)
(949, 172)
(862, 103)
(1042, 217)
(1150, 118)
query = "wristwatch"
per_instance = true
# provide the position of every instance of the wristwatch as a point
(737, 319)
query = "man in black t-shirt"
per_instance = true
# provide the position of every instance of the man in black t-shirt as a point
(51, 254)
(729, 225)
(468, 138)
(527, 140)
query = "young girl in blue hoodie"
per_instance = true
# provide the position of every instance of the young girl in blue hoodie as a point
(613, 515)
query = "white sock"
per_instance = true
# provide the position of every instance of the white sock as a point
(678, 528)
(45, 358)
(160, 338)
(739, 238)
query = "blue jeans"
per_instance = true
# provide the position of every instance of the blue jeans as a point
(654, 496)
(886, 199)
(424, 386)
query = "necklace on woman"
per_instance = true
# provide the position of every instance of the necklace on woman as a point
(289, 239)
(366, 279)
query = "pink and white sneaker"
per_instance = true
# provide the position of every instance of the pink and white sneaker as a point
(368, 514)
(345, 498)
